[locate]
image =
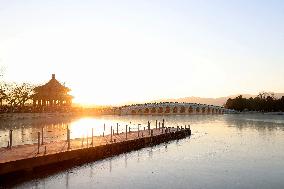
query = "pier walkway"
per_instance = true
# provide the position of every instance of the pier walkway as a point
(31, 150)
(32, 159)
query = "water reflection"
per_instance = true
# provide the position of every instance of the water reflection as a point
(25, 130)
(229, 151)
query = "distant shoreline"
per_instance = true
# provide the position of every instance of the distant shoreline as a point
(262, 113)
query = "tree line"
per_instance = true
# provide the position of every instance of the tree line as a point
(263, 102)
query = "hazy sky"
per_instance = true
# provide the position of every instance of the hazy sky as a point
(119, 51)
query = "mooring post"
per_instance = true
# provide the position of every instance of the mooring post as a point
(103, 134)
(87, 140)
(151, 132)
(92, 137)
(149, 127)
(156, 124)
(11, 139)
(68, 137)
(42, 136)
(110, 133)
(44, 150)
(138, 129)
(117, 128)
(38, 142)
(159, 126)
(163, 124)
(144, 128)
(126, 132)
(129, 129)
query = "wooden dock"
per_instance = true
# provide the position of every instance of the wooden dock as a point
(34, 158)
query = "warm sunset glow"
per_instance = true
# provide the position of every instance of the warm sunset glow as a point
(119, 52)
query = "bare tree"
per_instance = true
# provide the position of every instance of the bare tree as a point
(19, 94)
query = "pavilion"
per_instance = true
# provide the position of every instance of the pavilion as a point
(51, 95)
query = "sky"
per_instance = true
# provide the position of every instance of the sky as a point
(115, 52)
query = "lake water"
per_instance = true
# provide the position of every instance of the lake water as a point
(224, 151)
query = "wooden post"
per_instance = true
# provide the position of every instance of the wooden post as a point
(42, 136)
(92, 137)
(126, 132)
(163, 124)
(117, 128)
(68, 138)
(111, 134)
(44, 150)
(104, 127)
(38, 142)
(156, 124)
(138, 129)
(159, 126)
(11, 139)
(151, 132)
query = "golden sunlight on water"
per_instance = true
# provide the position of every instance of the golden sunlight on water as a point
(226, 151)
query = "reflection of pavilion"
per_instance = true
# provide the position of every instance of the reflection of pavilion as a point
(52, 94)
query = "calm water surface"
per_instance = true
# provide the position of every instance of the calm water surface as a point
(224, 151)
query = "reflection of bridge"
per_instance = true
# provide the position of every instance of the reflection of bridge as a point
(172, 108)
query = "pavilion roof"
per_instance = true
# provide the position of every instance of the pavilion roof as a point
(52, 88)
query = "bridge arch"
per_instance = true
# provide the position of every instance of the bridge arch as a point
(153, 110)
(168, 110)
(208, 110)
(198, 110)
(182, 110)
(190, 110)
(146, 111)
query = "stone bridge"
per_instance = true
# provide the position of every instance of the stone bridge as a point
(171, 108)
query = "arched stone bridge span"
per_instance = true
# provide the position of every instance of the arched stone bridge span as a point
(171, 108)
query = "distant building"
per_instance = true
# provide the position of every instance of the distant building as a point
(52, 95)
